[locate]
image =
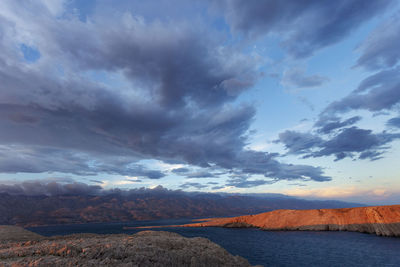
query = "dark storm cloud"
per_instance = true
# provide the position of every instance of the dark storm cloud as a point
(347, 143)
(175, 103)
(380, 91)
(101, 121)
(307, 25)
(50, 188)
(297, 78)
(174, 64)
(381, 48)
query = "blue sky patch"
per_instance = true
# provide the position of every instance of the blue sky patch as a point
(31, 54)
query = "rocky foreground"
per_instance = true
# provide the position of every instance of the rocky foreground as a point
(147, 248)
(379, 220)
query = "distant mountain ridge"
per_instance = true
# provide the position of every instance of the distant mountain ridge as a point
(380, 220)
(148, 204)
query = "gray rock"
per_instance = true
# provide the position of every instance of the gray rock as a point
(147, 248)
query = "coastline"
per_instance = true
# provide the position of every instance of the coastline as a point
(379, 220)
(20, 247)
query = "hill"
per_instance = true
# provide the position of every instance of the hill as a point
(380, 220)
(141, 204)
(146, 248)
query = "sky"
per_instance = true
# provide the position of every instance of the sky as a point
(298, 97)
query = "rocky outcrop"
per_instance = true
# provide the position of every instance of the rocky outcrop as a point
(15, 233)
(147, 248)
(380, 220)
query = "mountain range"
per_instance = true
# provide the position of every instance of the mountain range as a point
(141, 204)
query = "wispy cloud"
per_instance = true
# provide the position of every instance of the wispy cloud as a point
(373, 196)
(306, 26)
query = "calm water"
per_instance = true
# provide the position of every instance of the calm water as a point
(270, 248)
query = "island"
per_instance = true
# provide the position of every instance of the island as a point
(379, 220)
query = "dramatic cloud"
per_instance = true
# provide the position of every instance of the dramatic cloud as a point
(327, 125)
(380, 91)
(380, 50)
(395, 122)
(300, 172)
(297, 78)
(217, 187)
(306, 25)
(15, 158)
(242, 182)
(35, 188)
(180, 170)
(58, 186)
(210, 172)
(299, 143)
(200, 174)
(347, 143)
(355, 140)
(130, 89)
(195, 185)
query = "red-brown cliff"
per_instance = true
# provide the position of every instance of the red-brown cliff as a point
(381, 220)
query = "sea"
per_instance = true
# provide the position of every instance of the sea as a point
(267, 248)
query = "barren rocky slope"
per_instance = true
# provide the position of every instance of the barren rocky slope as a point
(148, 248)
(381, 220)
(15, 233)
(146, 204)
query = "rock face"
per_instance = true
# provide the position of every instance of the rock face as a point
(380, 220)
(147, 248)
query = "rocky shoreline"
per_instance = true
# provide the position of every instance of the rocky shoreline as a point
(379, 220)
(19, 247)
